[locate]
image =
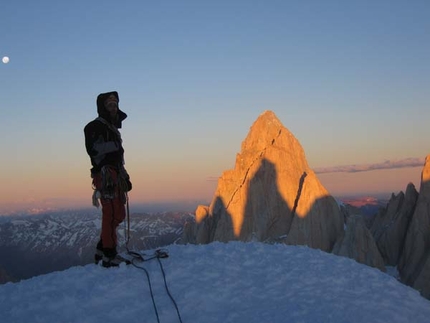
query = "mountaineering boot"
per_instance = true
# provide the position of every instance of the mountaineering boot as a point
(98, 256)
(115, 261)
(99, 252)
(112, 259)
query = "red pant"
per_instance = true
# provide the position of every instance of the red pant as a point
(113, 211)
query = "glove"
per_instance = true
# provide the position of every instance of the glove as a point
(125, 180)
(96, 197)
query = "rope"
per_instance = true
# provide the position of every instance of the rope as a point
(157, 255)
(112, 225)
(150, 287)
(137, 256)
(127, 229)
(167, 290)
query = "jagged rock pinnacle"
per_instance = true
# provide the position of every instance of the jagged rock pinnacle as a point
(414, 264)
(271, 194)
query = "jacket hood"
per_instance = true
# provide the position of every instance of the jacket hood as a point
(102, 112)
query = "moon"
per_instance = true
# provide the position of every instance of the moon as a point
(5, 60)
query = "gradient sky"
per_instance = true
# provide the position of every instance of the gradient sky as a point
(350, 79)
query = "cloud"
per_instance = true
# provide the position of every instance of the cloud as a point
(388, 164)
(212, 178)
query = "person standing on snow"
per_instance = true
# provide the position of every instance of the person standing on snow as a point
(109, 178)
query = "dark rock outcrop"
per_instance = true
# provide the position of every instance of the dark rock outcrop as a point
(414, 263)
(422, 283)
(357, 243)
(390, 226)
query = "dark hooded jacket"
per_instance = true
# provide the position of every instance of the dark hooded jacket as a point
(102, 138)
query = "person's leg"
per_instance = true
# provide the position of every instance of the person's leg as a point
(113, 210)
(118, 216)
(108, 235)
(98, 256)
(107, 243)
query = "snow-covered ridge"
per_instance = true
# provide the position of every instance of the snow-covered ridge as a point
(231, 282)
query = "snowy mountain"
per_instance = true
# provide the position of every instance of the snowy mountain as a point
(56, 241)
(218, 282)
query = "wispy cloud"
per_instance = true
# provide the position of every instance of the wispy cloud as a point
(388, 164)
(212, 178)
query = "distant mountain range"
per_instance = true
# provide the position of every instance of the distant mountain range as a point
(39, 244)
(368, 205)
(32, 245)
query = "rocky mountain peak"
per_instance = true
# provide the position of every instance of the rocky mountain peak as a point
(425, 176)
(270, 195)
(268, 131)
(263, 131)
(390, 225)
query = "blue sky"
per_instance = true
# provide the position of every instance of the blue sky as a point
(349, 79)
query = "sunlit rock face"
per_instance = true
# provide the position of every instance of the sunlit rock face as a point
(270, 195)
(390, 226)
(414, 264)
(357, 243)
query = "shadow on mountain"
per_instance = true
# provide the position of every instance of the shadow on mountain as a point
(414, 263)
(221, 219)
(391, 224)
(261, 213)
(212, 223)
(266, 215)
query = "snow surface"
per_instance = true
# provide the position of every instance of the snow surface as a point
(220, 282)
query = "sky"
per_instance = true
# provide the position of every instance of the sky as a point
(349, 79)
(219, 282)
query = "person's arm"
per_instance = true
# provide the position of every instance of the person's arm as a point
(95, 143)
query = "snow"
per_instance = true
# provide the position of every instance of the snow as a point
(72, 239)
(219, 282)
(21, 222)
(393, 271)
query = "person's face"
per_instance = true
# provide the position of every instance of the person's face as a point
(111, 104)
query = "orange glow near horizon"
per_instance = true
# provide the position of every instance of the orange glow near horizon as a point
(371, 182)
(74, 186)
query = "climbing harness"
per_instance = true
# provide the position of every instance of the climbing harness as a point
(109, 187)
(108, 183)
